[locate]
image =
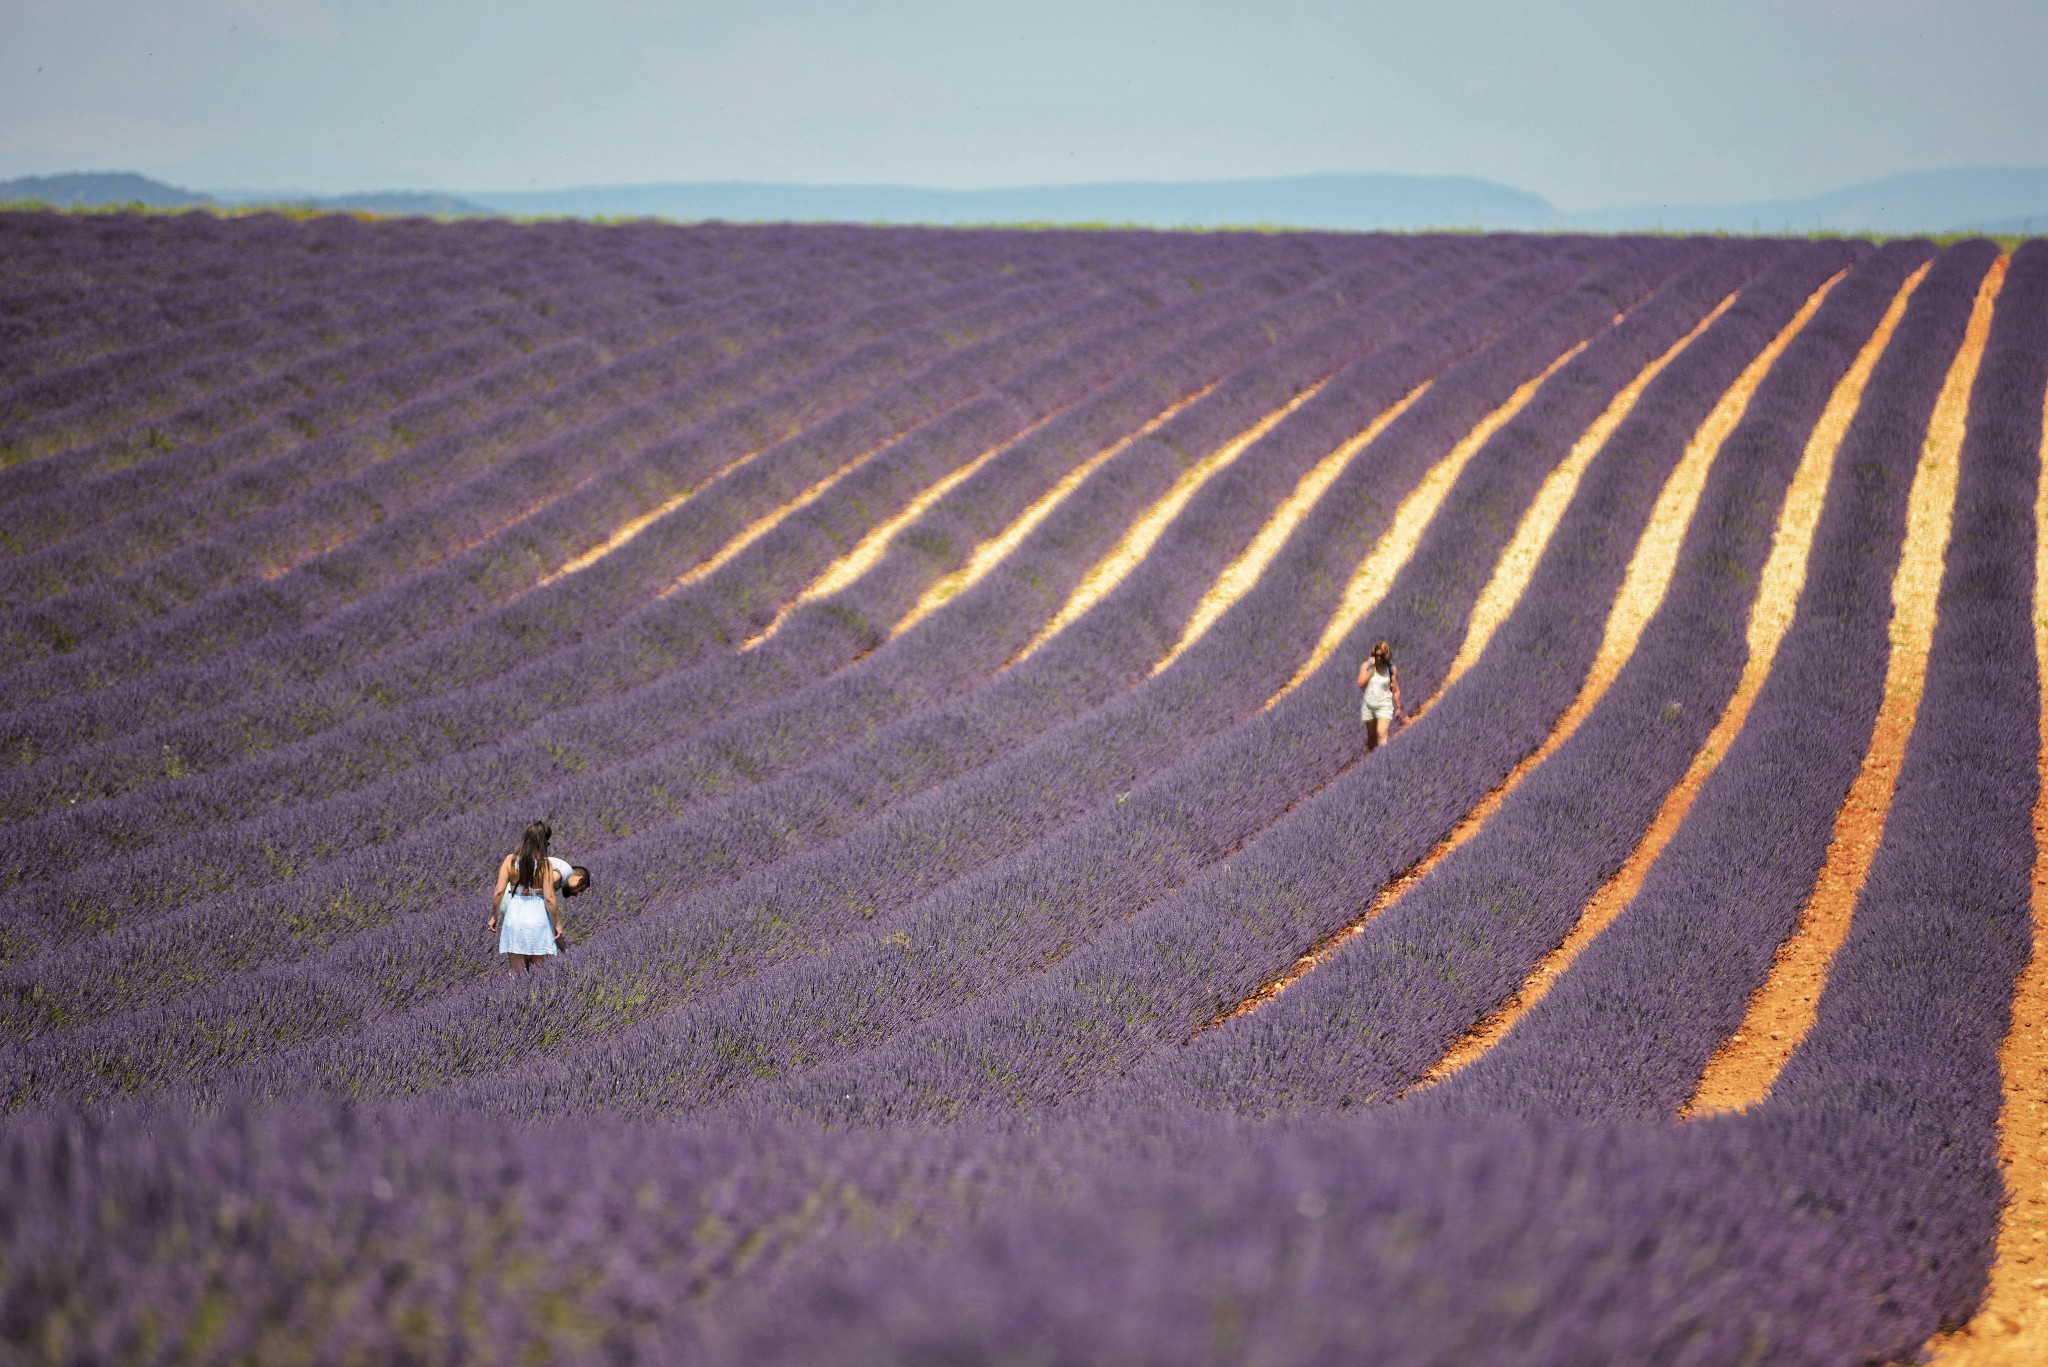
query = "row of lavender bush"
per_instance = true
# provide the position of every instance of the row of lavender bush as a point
(1387, 1005)
(1622, 1034)
(58, 412)
(79, 291)
(241, 424)
(840, 888)
(641, 357)
(430, 332)
(1252, 399)
(218, 626)
(602, 733)
(221, 317)
(1154, 978)
(505, 284)
(1847, 1219)
(830, 415)
(95, 413)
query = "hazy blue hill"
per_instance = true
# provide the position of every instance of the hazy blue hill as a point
(408, 202)
(1963, 199)
(1330, 201)
(395, 202)
(1967, 199)
(112, 189)
(95, 189)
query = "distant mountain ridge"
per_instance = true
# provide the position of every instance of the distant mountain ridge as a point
(2004, 199)
(1964, 199)
(98, 189)
(1326, 201)
(113, 189)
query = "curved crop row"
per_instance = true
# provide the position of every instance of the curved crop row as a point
(606, 732)
(1155, 979)
(1623, 1034)
(984, 741)
(830, 424)
(252, 424)
(224, 638)
(529, 298)
(1385, 1006)
(661, 356)
(757, 280)
(963, 826)
(1313, 356)
(95, 414)
(429, 870)
(59, 407)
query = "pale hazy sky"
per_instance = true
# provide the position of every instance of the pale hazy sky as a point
(1593, 104)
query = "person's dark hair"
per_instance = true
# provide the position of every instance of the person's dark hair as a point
(532, 862)
(577, 883)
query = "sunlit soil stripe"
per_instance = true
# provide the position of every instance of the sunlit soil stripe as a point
(1152, 523)
(302, 555)
(1780, 1013)
(865, 555)
(991, 552)
(1533, 533)
(1240, 574)
(1649, 574)
(761, 526)
(1770, 616)
(631, 529)
(1369, 582)
(2011, 1326)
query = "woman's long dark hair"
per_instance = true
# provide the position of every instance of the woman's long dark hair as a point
(533, 855)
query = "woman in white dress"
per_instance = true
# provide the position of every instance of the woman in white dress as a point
(1381, 705)
(524, 907)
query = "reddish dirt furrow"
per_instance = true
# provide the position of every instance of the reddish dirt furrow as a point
(1642, 590)
(2011, 1327)
(1781, 1012)
(1778, 589)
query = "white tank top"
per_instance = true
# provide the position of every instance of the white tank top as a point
(1379, 687)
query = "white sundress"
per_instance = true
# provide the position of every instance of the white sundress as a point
(523, 926)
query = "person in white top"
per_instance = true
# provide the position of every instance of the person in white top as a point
(1381, 706)
(526, 899)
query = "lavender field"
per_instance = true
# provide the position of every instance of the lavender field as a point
(942, 647)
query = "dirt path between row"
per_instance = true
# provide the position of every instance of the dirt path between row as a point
(2012, 1324)
(1781, 1012)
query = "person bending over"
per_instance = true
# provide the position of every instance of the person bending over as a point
(525, 905)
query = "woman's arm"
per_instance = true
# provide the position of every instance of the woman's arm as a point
(1365, 671)
(498, 892)
(1394, 677)
(547, 890)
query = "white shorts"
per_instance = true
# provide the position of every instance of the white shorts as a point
(1376, 711)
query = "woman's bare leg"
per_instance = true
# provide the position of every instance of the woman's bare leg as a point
(1372, 735)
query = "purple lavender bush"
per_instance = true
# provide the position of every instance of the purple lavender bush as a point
(892, 1030)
